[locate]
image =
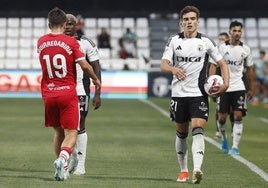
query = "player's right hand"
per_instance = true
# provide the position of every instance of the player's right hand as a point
(97, 83)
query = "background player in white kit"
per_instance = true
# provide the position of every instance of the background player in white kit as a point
(237, 56)
(186, 57)
(83, 92)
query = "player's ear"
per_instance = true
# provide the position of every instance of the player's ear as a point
(180, 23)
(64, 25)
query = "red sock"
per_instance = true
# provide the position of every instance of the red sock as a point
(65, 153)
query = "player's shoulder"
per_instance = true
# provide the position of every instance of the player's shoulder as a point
(245, 46)
(206, 38)
(68, 39)
(170, 38)
(85, 39)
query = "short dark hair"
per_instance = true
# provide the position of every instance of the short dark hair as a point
(224, 34)
(56, 17)
(262, 52)
(188, 9)
(235, 23)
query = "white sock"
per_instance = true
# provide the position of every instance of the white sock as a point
(198, 149)
(81, 147)
(222, 129)
(237, 133)
(64, 155)
(182, 152)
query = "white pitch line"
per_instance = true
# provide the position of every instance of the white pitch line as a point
(249, 164)
(265, 120)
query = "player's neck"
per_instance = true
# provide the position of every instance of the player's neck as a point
(234, 42)
(190, 34)
(57, 30)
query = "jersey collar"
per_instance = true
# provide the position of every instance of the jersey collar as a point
(181, 35)
(228, 43)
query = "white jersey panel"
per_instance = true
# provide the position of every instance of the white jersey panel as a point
(92, 54)
(236, 57)
(190, 55)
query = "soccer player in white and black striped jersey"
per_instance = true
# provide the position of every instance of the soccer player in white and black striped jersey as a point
(238, 58)
(186, 57)
(83, 92)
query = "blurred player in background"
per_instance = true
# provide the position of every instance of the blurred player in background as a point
(83, 91)
(222, 37)
(185, 57)
(237, 56)
(58, 55)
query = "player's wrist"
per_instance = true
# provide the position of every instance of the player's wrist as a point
(97, 90)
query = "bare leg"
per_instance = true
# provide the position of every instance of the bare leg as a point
(58, 139)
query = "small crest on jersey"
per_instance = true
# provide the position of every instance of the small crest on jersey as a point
(200, 47)
(243, 55)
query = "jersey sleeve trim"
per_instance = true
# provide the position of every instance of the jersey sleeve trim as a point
(79, 59)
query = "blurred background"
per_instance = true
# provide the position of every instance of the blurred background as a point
(146, 24)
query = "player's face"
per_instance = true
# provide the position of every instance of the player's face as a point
(70, 28)
(189, 22)
(236, 33)
(222, 38)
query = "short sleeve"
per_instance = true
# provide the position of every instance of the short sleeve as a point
(168, 51)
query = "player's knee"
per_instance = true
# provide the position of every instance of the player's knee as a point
(238, 118)
(181, 135)
(197, 130)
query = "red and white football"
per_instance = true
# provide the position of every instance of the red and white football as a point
(212, 81)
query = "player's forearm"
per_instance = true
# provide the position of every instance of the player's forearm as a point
(251, 78)
(225, 73)
(97, 69)
(212, 69)
(165, 67)
(87, 68)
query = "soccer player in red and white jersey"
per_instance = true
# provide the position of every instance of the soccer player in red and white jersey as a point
(185, 57)
(58, 55)
(238, 57)
(77, 160)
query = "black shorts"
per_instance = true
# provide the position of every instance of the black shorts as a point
(83, 104)
(183, 109)
(235, 101)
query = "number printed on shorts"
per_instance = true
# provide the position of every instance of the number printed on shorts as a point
(59, 69)
(173, 105)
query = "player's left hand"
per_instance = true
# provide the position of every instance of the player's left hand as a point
(250, 94)
(219, 90)
(96, 102)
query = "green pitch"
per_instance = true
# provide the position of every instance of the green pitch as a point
(131, 145)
